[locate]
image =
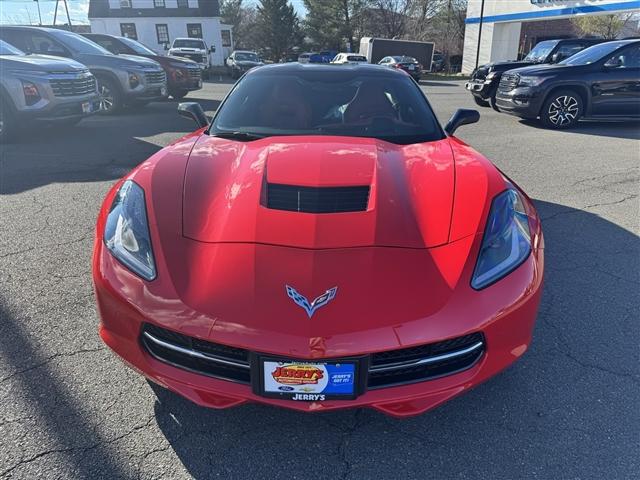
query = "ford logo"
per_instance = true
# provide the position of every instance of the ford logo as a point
(284, 388)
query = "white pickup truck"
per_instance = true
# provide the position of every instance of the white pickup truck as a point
(194, 49)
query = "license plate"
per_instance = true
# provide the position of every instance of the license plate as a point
(309, 381)
(412, 67)
(87, 107)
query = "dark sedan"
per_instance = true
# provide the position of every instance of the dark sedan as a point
(183, 75)
(600, 82)
(402, 62)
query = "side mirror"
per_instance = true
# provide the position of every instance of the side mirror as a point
(556, 58)
(463, 116)
(193, 111)
(212, 49)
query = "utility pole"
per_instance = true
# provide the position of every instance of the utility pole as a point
(66, 7)
(55, 13)
(39, 14)
(480, 33)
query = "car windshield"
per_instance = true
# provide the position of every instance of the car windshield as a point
(137, 46)
(246, 57)
(405, 59)
(6, 49)
(592, 54)
(541, 51)
(185, 43)
(80, 44)
(327, 102)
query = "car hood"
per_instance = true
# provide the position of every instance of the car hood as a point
(115, 61)
(546, 69)
(410, 191)
(247, 63)
(504, 66)
(41, 63)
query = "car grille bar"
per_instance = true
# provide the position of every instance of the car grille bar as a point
(155, 77)
(508, 82)
(386, 369)
(423, 361)
(72, 87)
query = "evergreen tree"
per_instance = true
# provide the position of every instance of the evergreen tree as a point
(278, 27)
(331, 23)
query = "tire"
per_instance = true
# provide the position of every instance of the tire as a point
(480, 102)
(110, 96)
(492, 102)
(562, 109)
(7, 122)
(178, 94)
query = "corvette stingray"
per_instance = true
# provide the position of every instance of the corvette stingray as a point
(320, 243)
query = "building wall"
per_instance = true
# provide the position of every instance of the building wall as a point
(146, 31)
(503, 20)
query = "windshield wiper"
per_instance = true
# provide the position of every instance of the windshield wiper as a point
(240, 136)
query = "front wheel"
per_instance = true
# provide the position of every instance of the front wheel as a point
(178, 94)
(562, 109)
(110, 96)
(7, 122)
(480, 102)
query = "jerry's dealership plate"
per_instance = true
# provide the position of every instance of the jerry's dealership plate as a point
(309, 381)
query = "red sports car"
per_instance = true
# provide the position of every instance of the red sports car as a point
(322, 243)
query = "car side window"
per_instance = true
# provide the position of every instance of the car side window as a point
(627, 58)
(46, 45)
(17, 39)
(569, 49)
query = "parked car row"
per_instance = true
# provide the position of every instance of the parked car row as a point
(563, 81)
(56, 76)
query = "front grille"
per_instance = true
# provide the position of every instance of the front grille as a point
(71, 87)
(389, 368)
(508, 82)
(196, 57)
(155, 77)
(425, 362)
(208, 358)
(294, 198)
(194, 74)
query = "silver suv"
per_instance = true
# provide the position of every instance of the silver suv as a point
(122, 79)
(49, 89)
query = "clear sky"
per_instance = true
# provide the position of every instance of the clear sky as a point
(26, 11)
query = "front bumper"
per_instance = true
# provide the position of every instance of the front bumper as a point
(521, 102)
(481, 89)
(509, 311)
(59, 111)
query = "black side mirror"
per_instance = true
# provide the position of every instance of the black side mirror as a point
(463, 116)
(212, 49)
(193, 111)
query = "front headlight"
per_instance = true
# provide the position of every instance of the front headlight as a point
(126, 232)
(530, 81)
(491, 75)
(507, 240)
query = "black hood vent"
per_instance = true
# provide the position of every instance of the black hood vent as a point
(294, 198)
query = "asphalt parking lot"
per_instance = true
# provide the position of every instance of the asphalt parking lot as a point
(567, 410)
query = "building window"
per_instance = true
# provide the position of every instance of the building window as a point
(194, 30)
(125, 3)
(226, 38)
(128, 30)
(183, 3)
(159, 3)
(162, 32)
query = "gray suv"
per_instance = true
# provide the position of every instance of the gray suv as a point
(122, 79)
(49, 89)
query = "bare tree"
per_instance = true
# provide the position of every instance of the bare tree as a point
(605, 26)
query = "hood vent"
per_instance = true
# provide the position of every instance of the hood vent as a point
(294, 198)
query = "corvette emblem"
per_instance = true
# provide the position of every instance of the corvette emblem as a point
(311, 308)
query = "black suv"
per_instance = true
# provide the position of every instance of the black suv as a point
(600, 82)
(485, 79)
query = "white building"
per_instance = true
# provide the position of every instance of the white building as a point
(502, 23)
(157, 22)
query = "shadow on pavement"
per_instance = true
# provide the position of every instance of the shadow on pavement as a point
(99, 148)
(629, 130)
(432, 83)
(547, 414)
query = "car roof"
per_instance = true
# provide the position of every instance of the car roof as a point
(244, 51)
(284, 68)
